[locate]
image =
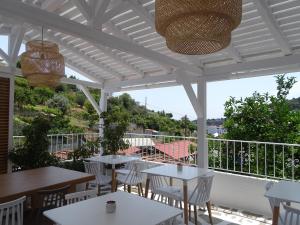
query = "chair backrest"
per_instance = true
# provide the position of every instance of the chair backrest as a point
(50, 199)
(201, 193)
(292, 215)
(268, 186)
(93, 168)
(11, 213)
(135, 175)
(80, 196)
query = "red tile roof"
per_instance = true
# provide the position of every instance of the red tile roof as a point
(130, 150)
(176, 149)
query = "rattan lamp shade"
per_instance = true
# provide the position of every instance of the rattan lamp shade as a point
(42, 64)
(197, 27)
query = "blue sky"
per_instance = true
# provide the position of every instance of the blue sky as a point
(175, 100)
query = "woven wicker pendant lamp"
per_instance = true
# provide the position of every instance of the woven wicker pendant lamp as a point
(42, 64)
(197, 27)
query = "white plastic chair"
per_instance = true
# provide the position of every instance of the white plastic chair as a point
(134, 177)
(268, 186)
(199, 196)
(159, 186)
(128, 166)
(95, 169)
(80, 196)
(292, 215)
(11, 213)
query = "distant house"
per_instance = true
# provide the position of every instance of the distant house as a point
(176, 150)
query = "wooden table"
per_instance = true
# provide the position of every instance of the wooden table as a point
(131, 210)
(28, 182)
(113, 160)
(283, 191)
(185, 174)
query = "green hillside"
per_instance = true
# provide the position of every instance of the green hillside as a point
(70, 111)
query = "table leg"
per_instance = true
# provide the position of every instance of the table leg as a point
(147, 187)
(113, 179)
(170, 200)
(72, 188)
(275, 215)
(185, 203)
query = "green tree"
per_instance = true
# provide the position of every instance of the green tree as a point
(266, 118)
(116, 123)
(60, 102)
(34, 153)
(80, 99)
(263, 117)
(41, 95)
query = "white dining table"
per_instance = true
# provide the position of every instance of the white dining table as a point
(184, 173)
(283, 191)
(131, 210)
(113, 160)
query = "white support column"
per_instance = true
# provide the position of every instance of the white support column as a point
(103, 108)
(202, 153)
(199, 104)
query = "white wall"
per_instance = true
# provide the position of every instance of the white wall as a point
(240, 192)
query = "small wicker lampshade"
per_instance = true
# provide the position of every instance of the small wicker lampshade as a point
(197, 27)
(42, 64)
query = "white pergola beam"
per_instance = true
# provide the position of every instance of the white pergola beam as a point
(76, 82)
(90, 98)
(84, 8)
(234, 71)
(80, 54)
(254, 65)
(79, 69)
(233, 52)
(14, 42)
(268, 18)
(86, 11)
(99, 12)
(35, 16)
(4, 56)
(120, 7)
(190, 93)
(5, 30)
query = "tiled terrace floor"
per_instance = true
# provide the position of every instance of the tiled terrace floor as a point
(225, 216)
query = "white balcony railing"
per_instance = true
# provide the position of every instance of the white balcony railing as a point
(264, 159)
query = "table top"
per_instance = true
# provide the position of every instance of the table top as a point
(285, 191)
(15, 185)
(113, 159)
(131, 210)
(186, 173)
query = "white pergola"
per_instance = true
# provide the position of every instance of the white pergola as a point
(114, 44)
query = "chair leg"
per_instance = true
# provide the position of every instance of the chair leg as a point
(141, 185)
(99, 190)
(129, 188)
(152, 196)
(86, 185)
(190, 212)
(195, 214)
(209, 212)
(139, 190)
